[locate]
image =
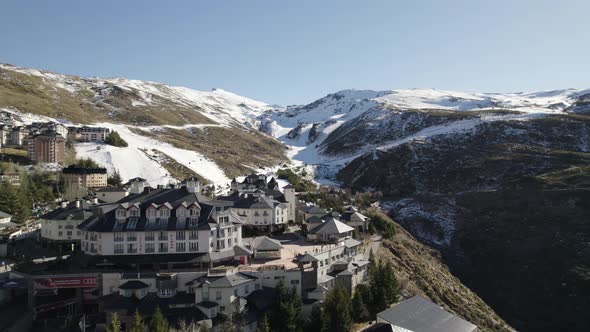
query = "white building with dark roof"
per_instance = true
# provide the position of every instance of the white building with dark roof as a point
(61, 224)
(260, 203)
(331, 230)
(178, 223)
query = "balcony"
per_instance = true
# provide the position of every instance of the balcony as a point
(119, 251)
(119, 239)
(132, 238)
(150, 250)
(163, 249)
(132, 251)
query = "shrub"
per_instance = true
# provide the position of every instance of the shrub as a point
(114, 139)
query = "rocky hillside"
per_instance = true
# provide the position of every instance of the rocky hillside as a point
(420, 271)
(506, 202)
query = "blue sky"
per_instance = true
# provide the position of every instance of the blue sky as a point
(293, 52)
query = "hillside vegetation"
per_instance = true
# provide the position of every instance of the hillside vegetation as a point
(420, 270)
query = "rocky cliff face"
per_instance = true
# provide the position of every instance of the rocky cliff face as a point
(507, 205)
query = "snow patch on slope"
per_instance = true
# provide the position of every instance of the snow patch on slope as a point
(131, 161)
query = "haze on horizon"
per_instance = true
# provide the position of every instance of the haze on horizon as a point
(296, 52)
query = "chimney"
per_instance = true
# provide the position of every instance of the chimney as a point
(64, 204)
(193, 185)
(78, 203)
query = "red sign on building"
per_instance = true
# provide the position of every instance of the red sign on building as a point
(67, 282)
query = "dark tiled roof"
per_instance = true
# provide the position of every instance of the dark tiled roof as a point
(314, 210)
(111, 190)
(207, 304)
(84, 170)
(107, 221)
(76, 213)
(134, 284)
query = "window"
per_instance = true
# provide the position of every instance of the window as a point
(222, 309)
(167, 292)
(131, 248)
(180, 247)
(150, 248)
(131, 236)
(119, 247)
(151, 213)
(164, 213)
(162, 236)
(180, 235)
(247, 289)
(69, 233)
(134, 212)
(236, 292)
(218, 295)
(294, 282)
(193, 235)
(229, 242)
(163, 247)
(121, 213)
(132, 222)
(181, 212)
(118, 237)
(193, 246)
(149, 236)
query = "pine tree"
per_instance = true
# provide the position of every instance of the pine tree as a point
(159, 322)
(315, 321)
(115, 325)
(286, 313)
(115, 140)
(280, 297)
(263, 324)
(115, 179)
(372, 262)
(390, 283)
(296, 304)
(138, 324)
(357, 307)
(337, 311)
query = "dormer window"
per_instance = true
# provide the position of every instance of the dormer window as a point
(151, 212)
(121, 213)
(134, 212)
(164, 213)
(180, 212)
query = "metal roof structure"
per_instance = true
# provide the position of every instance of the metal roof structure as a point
(420, 314)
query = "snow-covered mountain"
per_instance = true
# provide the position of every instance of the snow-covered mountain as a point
(171, 131)
(334, 130)
(218, 134)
